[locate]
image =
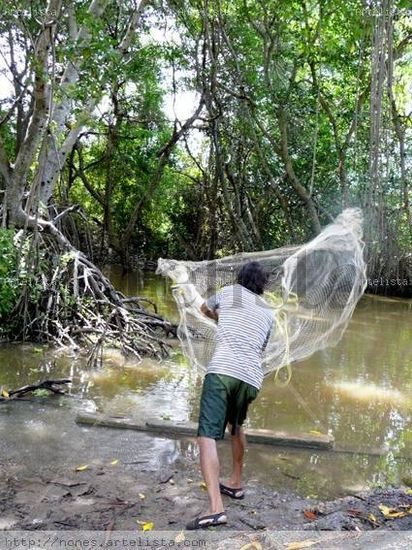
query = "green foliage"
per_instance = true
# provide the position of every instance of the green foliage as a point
(252, 60)
(9, 279)
(41, 392)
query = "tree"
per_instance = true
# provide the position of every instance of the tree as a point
(61, 60)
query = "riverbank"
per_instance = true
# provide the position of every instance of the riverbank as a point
(120, 488)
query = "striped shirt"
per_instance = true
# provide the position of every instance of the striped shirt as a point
(243, 330)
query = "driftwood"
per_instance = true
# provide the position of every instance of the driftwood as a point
(188, 429)
(50, 385)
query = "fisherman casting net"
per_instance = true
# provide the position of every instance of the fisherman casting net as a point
(312, 290)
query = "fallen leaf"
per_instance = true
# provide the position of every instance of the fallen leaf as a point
(315, 432)
(354, 513)
(300, 544)
(408, 491)
(180, 537)
(82, 468)
(359, 514)
(189, 480)
(310, 515)
(114, 462)
(142, 496)
(5, 393)
(203, 485)
(254, 544)
(146, 525)
(392, 513)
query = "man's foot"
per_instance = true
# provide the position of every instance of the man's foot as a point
(232, 492)
(211, 520)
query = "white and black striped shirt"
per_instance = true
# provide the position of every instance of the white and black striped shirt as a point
(244, 325)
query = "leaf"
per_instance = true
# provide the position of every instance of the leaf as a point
(392, 513)
(203, 485)
(300, 544)
(41, 392)
(315, 432)
(354, 513)
(5, 393)
(114, 462)
(372, 518)
(146, 525)
(310, 515)
(142, 496)
(180, 537)
(408, 491)
(254, 544)
(82, 468)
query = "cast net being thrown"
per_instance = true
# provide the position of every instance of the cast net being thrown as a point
(312, 290)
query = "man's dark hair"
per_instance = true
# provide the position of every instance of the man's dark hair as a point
(253, 277)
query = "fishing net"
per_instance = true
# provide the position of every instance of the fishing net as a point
(312, 290)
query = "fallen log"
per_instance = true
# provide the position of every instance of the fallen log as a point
(189, 429)
(51, 385)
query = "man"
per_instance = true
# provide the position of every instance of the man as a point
(233, 380)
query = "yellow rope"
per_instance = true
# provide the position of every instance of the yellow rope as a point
(281, 319)
(281, 322)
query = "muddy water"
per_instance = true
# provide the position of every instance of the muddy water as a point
(360, 392)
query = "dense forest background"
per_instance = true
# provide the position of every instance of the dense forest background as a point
(292, 110)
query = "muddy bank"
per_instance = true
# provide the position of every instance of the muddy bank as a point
(119, 489)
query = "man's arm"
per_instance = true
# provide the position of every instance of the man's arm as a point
(211, 313)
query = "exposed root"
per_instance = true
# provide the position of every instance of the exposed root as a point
(68, 301)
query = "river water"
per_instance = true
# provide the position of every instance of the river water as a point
(360, 392)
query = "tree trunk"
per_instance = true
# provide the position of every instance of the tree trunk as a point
(301, 191)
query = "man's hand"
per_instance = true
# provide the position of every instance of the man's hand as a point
(211, 313)
(191, 296)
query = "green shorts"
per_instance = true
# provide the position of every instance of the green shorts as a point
(224, 400)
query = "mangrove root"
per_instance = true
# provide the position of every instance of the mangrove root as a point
(66, 300)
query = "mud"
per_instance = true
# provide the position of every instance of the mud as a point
(118, 493)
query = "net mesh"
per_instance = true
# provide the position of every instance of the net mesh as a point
(312, 290)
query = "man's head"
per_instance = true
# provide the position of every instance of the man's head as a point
(253, 277)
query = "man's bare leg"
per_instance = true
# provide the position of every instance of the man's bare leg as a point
(209, 463)
(238, 442)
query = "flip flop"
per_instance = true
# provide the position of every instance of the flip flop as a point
(237, 494)
(207, 521)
